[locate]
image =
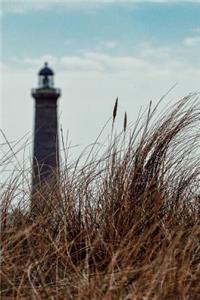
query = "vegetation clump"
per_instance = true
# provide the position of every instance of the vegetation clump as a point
(122, 226)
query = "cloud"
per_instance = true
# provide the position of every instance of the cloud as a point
(109, 44)
(39, 61)
(148, 60)
(197, 29)
(147, 57)
(191, 41)
(86, 62)
(23, 6)
(80, 63)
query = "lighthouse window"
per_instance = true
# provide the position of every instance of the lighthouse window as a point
(46, 81)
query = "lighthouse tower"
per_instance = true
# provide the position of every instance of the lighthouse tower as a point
(46, 146)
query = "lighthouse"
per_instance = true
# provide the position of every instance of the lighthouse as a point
(45, 170)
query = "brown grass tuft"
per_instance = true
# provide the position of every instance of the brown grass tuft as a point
(123, 226)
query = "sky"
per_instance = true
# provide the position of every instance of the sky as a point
(99, 50)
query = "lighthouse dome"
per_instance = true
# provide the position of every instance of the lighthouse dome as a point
(46, 71)
(46, 77)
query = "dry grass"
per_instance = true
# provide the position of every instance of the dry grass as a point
(125, 226)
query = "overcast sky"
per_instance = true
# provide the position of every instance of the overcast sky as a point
(99, 50)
